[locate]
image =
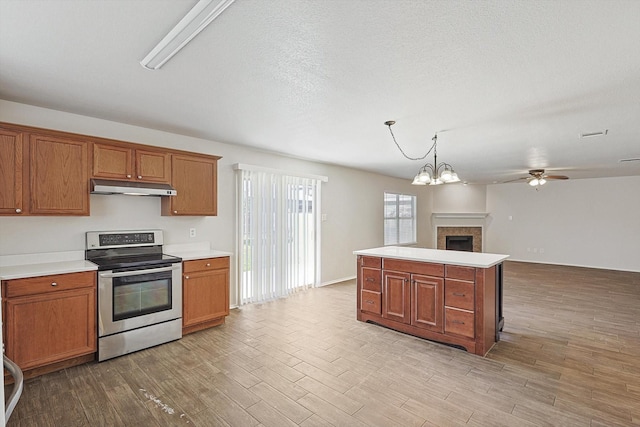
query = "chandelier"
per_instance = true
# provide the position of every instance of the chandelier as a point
(429, 174)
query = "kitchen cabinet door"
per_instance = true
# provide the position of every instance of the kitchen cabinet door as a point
(11, 169)
(195, 180)
(427, 302)
(112, 161)
(396, 296)
(153, 166)
(59, 176)
(205, 299)
(50, 319)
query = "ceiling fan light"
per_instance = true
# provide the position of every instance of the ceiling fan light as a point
(534, 182)
(542, 181)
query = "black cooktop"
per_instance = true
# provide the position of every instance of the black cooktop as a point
(123, 258)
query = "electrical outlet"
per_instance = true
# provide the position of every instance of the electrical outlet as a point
(192, 232)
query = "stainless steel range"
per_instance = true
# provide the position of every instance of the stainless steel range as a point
(139, 291)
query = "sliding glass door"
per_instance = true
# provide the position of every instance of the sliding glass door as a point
(278, 234)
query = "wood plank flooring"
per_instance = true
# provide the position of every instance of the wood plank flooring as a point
(569, 356)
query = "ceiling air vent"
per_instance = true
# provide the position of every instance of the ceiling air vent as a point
(629, 160)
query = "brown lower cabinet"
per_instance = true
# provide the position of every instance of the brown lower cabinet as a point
(50, 321)
(205, 297)
(450, 304)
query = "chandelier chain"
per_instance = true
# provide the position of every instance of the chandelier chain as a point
(405, 154)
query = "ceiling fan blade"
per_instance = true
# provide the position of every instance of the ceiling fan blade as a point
(556, 177)
(517, 179)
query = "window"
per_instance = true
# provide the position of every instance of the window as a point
(399, 219)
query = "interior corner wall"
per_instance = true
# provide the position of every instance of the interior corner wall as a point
(352, 199)
(585, 222)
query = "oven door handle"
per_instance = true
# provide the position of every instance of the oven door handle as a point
(138, 272)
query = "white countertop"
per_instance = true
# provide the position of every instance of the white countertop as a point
(199, 254)
(45, 269)
(467, 259)
(45, 264)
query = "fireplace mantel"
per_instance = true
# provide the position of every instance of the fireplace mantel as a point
(460, 215)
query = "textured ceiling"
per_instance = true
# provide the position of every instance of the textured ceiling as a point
(509, 85)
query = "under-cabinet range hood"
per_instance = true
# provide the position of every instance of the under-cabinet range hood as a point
(108, 186)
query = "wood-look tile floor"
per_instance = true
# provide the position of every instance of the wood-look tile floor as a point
(569, 356)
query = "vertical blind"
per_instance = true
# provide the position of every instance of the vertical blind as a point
(278, 233)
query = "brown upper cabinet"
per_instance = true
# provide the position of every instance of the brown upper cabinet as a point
(11, 169)
(46, 172)
(195, 180)
(127, 163)
(59, 175)
(42, 174)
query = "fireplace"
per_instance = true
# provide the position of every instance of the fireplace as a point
(470, 237)
(459, 243)
(459, 224)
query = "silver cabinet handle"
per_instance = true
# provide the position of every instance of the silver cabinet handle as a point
(139, 176)
(458, 294)
(129, 176)
(54, 284)
(18, 210)
(138, 272)
(186, 277)
(208, 264)
(175, 211)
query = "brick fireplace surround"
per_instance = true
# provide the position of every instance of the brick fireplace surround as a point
(443, 232)
(459, 224)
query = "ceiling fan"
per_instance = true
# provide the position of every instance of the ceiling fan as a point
(537, 177)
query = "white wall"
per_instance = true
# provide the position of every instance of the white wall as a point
(352, 199)
(460, 198)
(586, 222)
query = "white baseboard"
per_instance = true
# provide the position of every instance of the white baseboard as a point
(331, 282)
(572, 265)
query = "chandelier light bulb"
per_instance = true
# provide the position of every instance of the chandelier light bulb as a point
(424, 176)
(534, 182)
(416, 181)
(446, 175)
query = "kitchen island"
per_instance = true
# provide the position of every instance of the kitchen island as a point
(452, 297)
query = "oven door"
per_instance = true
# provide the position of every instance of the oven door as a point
(136, 298)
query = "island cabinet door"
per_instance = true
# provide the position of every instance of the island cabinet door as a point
(396, 296)
(427, 297)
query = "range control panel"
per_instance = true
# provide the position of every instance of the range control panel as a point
(111, 239)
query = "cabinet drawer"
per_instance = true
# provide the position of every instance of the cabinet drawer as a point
(371, 302)
(459, 294)
(369, 261)
(462, 273)
(44, 284)
(205, 264)
(426, 268)
(459, 322)
(372, 279)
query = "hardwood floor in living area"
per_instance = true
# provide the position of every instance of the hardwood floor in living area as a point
(569, 356)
